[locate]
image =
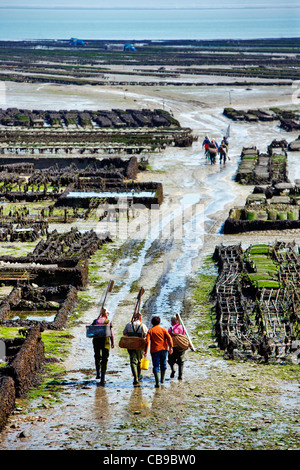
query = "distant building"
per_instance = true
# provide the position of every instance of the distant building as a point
(77, 42)
(129, 47)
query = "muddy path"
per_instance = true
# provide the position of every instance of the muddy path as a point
(220, 404)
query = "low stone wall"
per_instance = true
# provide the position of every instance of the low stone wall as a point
(267, 208)
(30, 164)
(67, 307)
(132, 168)
(294, 146)
(262, 168)
(26, 356)
(5, 305)
(7, 399)
(49, 265)
(26, 365)
(94, 185)
(47, 275)
(21, 372)
(289, 119)
(67, 292)
(112, 119)
(232, 226)
(18, 196)
(256, 289)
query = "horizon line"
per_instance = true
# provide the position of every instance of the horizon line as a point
(149, 8)
(263, 38)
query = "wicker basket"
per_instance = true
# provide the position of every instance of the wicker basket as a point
(180, 342)
(132, 342)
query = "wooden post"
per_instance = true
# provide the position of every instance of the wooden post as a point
(138, 303)
(109, 289)
(181, 322)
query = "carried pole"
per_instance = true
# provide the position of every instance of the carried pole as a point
(138, 303)
(109, 289)
(228, 132)
(182, 324)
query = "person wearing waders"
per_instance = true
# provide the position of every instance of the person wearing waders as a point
(213, 149)
(160, 343)
(225, 143)
(136, 328)
(205, 144)
(222, 152)
(177, 356)
(102, 346)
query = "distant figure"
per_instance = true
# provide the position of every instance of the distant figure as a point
(136, 328)
(102, 346)
(205, 144)
(161, 343)
(223, 153)
(213, 149)
(225, 144)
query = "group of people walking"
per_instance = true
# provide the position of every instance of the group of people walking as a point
(211, 149)
(163, 349)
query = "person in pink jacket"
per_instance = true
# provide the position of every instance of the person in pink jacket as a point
(102, 346)
(177, 357)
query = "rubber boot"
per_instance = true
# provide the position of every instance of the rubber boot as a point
(134, 371)
(98, 372)
(162, 376)
(102, 380)
(139, 373)
(156, 376)
(172, 372)
(180, 370)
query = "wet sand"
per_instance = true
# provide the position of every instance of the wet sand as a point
(192, 414)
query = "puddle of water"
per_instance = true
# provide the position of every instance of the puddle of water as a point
(172, 293)
(46, 317)
(293, 166)
(291, 396)
(37, 316)
(220, 194)
(183, 232)
(111, 194)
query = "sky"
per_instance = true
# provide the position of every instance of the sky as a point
(146, 4)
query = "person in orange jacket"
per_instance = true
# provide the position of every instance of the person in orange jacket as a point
(160, 343)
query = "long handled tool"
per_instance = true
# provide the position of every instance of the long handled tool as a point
(181, 323)
(228, 132)
(227, 136)
(109, 289)
(138, 303)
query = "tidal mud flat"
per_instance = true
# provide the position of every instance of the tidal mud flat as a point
(222, 403)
